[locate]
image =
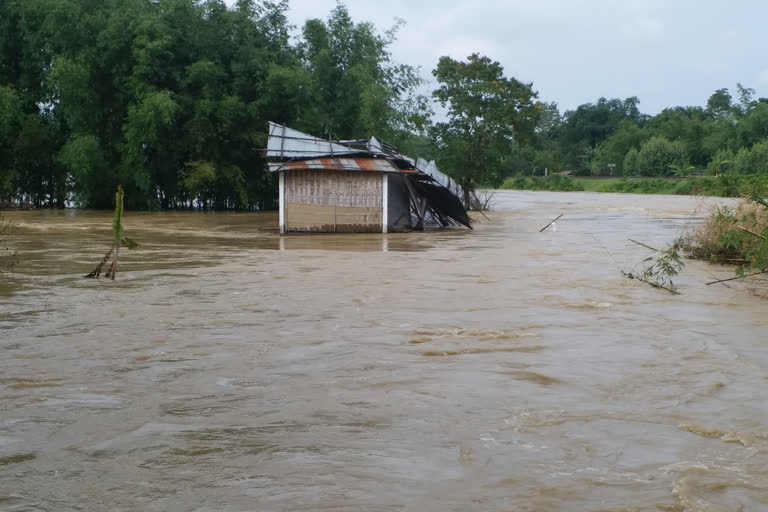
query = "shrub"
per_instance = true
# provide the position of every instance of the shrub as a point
(752, 160)
(630, 163)
(721, 162)
(641, 186)
(657, 157)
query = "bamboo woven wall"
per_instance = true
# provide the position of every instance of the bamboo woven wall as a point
(333, 201)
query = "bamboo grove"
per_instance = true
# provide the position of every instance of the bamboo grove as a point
(171, 99)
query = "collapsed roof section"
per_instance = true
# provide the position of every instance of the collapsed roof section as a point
(433, 195)
(430, 169)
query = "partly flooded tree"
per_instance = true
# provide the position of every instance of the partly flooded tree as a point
(118, 239)
(8, 257)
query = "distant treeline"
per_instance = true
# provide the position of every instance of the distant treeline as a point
(726, 136)
(724, 185)
(171, 99)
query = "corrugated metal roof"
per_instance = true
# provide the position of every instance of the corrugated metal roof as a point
(336, 164)
(298, 150)
(430, 169)
(285, 142)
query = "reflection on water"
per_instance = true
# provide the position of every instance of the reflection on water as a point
(231, 369)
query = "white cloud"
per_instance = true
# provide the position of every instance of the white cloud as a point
(763, 78)
(665, 52)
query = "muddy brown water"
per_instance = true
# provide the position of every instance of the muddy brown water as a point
(502, 369)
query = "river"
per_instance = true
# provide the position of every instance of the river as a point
(501, 369)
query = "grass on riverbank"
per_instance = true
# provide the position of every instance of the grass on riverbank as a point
(721, 186)
(732, 235)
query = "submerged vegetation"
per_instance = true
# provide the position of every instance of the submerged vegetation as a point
(661, 268)
(118, 239)
(8, 257)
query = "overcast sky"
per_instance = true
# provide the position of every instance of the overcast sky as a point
(666, 52)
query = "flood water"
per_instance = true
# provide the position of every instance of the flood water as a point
(500, 369)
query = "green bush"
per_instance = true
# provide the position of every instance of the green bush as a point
(656, 157)
(728, 185)
(752, 160)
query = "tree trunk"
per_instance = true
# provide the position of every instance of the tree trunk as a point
(467, 188)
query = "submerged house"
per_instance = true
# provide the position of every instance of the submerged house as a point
(357, 186)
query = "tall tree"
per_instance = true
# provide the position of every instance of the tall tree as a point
(355, 88)
(720, 103)
(488, 114)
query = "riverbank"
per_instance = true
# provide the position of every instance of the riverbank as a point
(719, 186)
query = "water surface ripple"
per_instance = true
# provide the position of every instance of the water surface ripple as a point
(503, 369)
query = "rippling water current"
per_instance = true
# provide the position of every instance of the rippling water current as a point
(502, 369)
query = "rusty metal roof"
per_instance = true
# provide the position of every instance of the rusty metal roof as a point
(336, 164)
(290, 149)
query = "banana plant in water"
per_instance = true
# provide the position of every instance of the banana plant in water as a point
(118, 240)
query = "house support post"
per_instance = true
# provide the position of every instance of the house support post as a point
(419, 203)
(384, 203)
(281, 194)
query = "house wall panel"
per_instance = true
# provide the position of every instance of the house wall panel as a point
(333, 201)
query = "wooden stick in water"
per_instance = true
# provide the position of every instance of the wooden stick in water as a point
(640, 243)
(758, 235)
(738, 277)
(553, 221)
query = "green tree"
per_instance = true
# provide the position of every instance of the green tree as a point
(746, 99)
(753, 126)
(720, 103)
(488, 114)
(10, 122)
(586, 127)
(610, 155)
(355, 87)
(690, 125)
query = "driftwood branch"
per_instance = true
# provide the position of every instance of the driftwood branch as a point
(642, 244)
(552, 222)
(655, 285)
(738, 277)
(97, 271)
